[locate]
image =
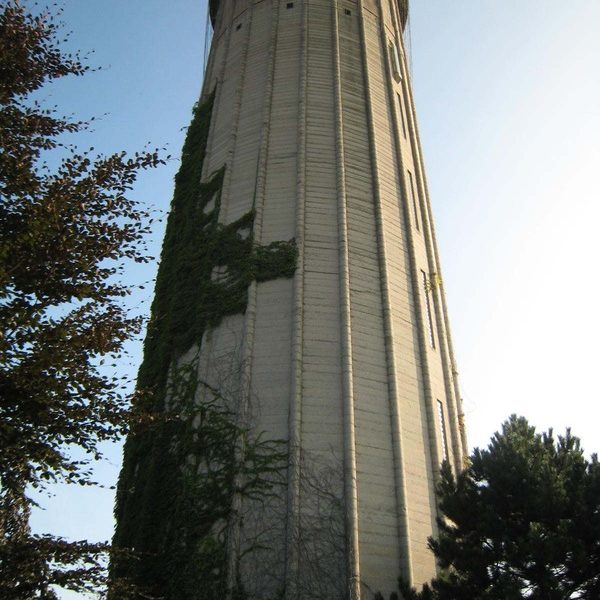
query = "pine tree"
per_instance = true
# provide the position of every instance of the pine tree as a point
(521, 521)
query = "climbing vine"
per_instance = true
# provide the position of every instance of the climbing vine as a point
(175, 492)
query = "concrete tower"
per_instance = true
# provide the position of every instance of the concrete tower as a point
(337, 337)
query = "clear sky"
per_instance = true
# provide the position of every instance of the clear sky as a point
(508, 103)
(508, 100)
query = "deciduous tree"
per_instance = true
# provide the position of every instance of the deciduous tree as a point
(65, 232)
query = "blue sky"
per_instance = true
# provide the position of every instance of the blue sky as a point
(508, 103)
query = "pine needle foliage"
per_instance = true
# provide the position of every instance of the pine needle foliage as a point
(521, 521)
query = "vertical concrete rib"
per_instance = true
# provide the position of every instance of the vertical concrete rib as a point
(436, 294)
(213, 83)
(459, 441)
(350, 477)
(225, 190)
(430, 245)
(401, 496)
(417, 292)
(208, 87)
(295, 410)
(259, 192)
(416, 283)
(234, 528)
(395, 19)
(208, 66)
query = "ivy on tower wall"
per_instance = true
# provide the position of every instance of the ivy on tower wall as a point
(205, 271)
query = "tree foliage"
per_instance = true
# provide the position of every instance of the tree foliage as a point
(66, 228)
(521, 521)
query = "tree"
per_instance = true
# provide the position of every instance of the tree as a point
(65, 233)
(521, 521)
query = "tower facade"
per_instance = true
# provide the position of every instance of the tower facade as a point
(308, 286)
